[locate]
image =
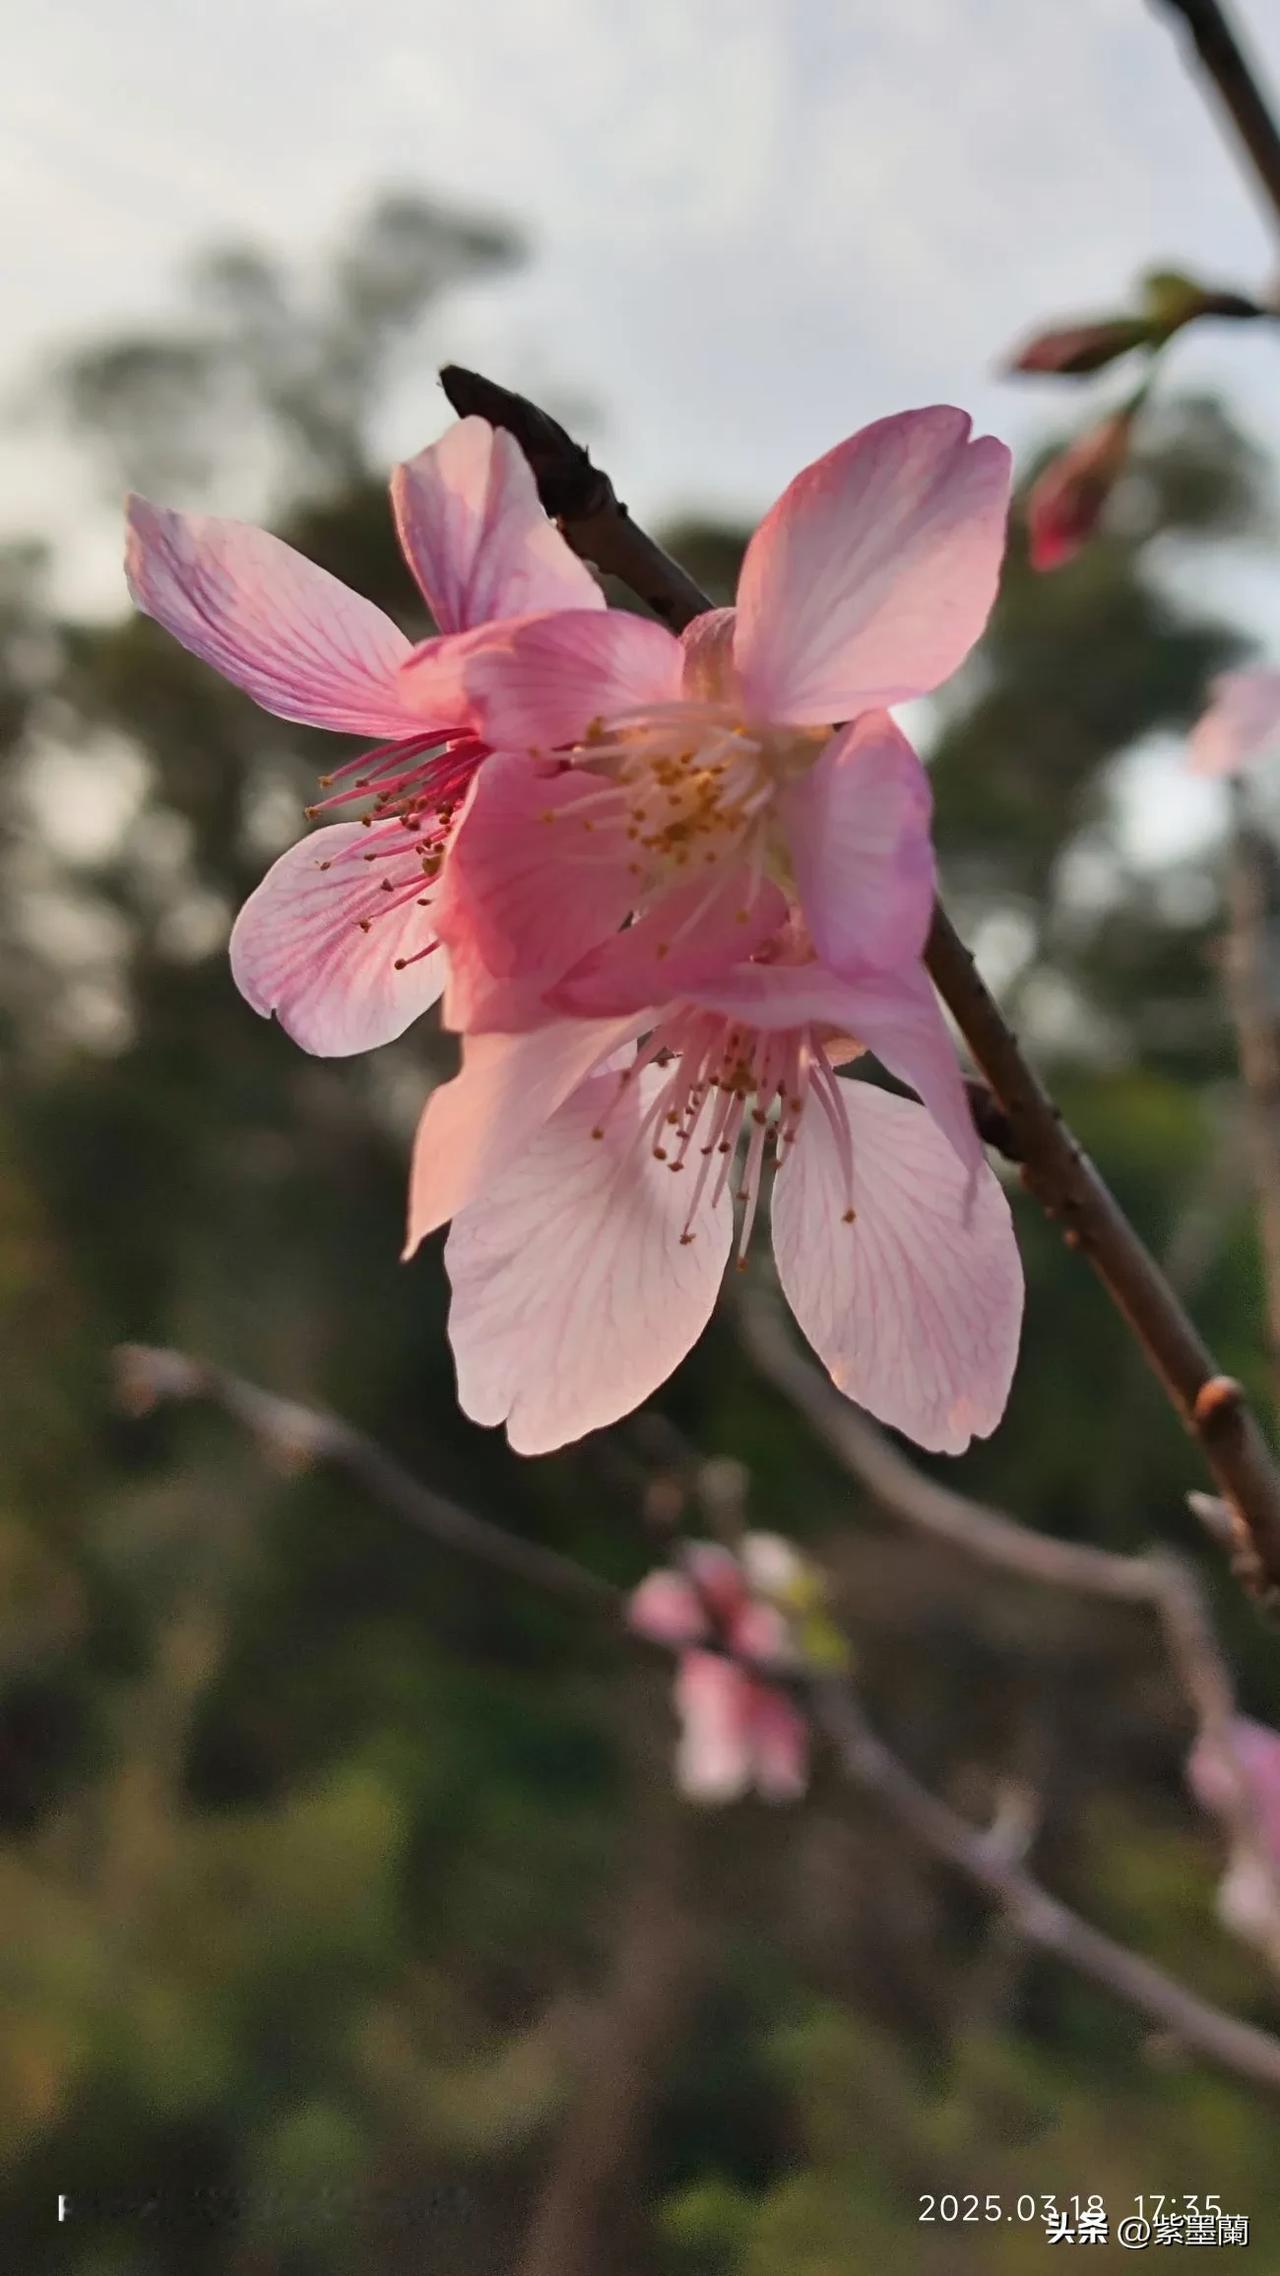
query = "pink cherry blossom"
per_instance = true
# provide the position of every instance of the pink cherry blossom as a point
(738, 1731)
(1245, 1775)
(338, 940)
(1240, 724)
(676, 781)
(592, 1168)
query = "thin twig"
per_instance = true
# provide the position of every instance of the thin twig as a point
(1055, 1167)
(1163, 1583)
(290, 1433)
(1232, 75)
(298, 1437)
(1251, 870)
(1053, 1927)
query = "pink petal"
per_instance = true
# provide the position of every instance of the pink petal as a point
(473, 1128)
(915, 1307)
(1252, 1755)
(530, 887)
(269, 620)
(709, 673)
(895, 1015)
(873, 575)
(298, 948)
(476, 537)
(541, 684)
(858, 828)
(665, 1607)
(760, 1632)
(573, 1295)
(779, 1740)
(713, 1700)
(1242, 723)
(432, 681)
(696, 930)
(719, 1581)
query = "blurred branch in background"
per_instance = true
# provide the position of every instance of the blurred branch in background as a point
(1164, 1583)
(1055, 1167)
(1224, 62)
(292, 1434)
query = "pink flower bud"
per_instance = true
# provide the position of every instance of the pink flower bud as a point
(1067, 500)
(1074, 350)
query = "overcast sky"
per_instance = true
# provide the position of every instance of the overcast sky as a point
(756, 223)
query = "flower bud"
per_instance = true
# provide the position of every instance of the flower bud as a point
(1074, 350)
(1068, 498)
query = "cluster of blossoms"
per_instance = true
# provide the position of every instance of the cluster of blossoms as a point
(737, 1625)
(667, 888)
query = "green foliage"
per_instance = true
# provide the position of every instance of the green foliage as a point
(321, 1857)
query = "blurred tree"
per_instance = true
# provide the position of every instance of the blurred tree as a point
(319, 1858)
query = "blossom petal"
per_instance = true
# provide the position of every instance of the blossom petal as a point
(779, 1740)
(695, 931)
(873, 575)
(534, 881)
(541, 683)
(508, 1086)
(713, 1700)
(915, 1307)
(666, 1608)
(1242, 723)
(573, 1293)
(895, 1015)
(475, 534)
(293, 637)
(858, 828)
(709, 672)
(299, 947)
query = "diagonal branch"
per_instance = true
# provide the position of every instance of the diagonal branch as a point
(289, 1433)
(1053, 1927)
(1228, 68)
(296, 1437)
(1056, 1169)
(1163, 1583)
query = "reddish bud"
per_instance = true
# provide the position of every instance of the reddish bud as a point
(1074, 350)
(1067, 500)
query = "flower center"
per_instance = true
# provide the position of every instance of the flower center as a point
(693, 784)
(728, 1083)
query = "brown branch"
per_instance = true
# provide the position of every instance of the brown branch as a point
(1056, 1169)
(288, 1432)
(1250, 894)
(1235, 82)
(1068, 1187)
(1137, 1983)
(296, 1437)
(1163, 1583)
